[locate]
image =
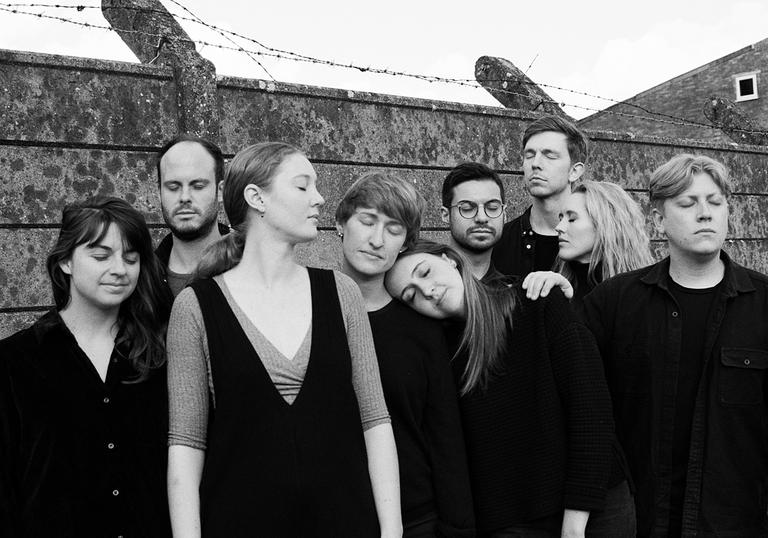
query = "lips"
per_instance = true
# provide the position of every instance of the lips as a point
(490, 231)
(372, 254)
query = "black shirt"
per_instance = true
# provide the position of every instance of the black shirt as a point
(695, 306)
(638, 327)
(79, 457)
(422, 402)
(521, 250)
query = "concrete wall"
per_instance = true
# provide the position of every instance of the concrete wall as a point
(685, 96)
(72, 128)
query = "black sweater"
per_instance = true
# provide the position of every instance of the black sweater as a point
(422, 403)
(539, 436)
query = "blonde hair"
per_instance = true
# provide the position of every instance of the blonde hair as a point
(254, 165)
(676, 175)
(621, 239)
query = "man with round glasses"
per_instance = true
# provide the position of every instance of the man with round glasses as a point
(473, 207)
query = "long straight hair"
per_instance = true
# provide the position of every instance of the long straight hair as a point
(621, 239)
(142, 317)
(489, 318)
(254, 165)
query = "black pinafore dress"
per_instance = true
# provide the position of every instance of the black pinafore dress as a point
(275, 469)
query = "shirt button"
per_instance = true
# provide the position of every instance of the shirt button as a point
(110, 445)
(674, 314)
(528, 247)
(106, 399)
(115, 493)
(747, 362)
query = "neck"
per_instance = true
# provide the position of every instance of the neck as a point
(185, 255)
(545, 213)
(267, 262)
(696, 272)
(88, 322)
(479, 262)
(375, 295)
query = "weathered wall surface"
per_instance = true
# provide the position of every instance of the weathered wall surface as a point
(685, 96)
(73, 128)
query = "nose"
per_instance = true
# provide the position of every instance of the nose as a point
(561, 226)
(705, 212)
(318, 199)
(185, 193)
(426, 288)
(118, 266)
(481, 217)
(376, 238)
(536, 160)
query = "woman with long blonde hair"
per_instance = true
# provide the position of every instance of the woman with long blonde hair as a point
(278, 425)
(601, 234)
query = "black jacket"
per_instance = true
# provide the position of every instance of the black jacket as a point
(638, 329)
(79, 457)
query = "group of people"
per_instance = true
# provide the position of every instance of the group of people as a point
(539, 377)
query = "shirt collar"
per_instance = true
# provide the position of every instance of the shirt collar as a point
(736, 278)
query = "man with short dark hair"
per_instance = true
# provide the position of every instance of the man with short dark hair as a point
(189, 170)
(685, 347)
(554, 153)
(473, 207)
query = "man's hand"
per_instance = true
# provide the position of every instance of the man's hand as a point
(539, 283)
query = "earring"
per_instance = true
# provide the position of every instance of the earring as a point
(341, 235)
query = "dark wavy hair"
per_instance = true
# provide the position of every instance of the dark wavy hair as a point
(144, 314)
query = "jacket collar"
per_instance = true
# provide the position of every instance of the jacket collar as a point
(736, 278)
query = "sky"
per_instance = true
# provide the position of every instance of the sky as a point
(610, 49)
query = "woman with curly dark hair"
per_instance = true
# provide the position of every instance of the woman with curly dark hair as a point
(83, 405)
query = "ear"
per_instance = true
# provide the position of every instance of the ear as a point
(445, 214)
(577, 170)
(220, 192)
(658, 220)
(450, 261)
(66, 266)
(339, 229)
(253, 197)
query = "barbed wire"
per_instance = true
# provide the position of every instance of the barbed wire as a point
(272, 52)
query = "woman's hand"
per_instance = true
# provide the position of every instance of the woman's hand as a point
(539, 283)
(574, 523)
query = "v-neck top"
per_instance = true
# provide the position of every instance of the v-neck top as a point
(190, 380)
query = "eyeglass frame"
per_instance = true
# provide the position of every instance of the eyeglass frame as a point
(477, 206)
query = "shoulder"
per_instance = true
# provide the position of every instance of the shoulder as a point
(19, 342)
(625, 280)
(758, 279)
(412, 321)
(163, 250)
(347, 289)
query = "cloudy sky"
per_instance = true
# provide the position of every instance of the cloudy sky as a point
(608, 48)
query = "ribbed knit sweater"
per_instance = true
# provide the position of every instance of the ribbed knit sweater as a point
(539, 435)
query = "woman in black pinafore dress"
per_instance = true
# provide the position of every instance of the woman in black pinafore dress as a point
(287, 445)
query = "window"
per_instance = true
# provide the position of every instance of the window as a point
(746, 86)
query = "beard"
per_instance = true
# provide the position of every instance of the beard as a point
(475, 248)
(190, 232)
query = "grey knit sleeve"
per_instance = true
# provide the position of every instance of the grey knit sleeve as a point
(188, 373)
(365, 368)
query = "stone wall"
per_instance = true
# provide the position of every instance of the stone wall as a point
(76, 127)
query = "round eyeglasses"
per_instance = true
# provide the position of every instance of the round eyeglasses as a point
(468, 210)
